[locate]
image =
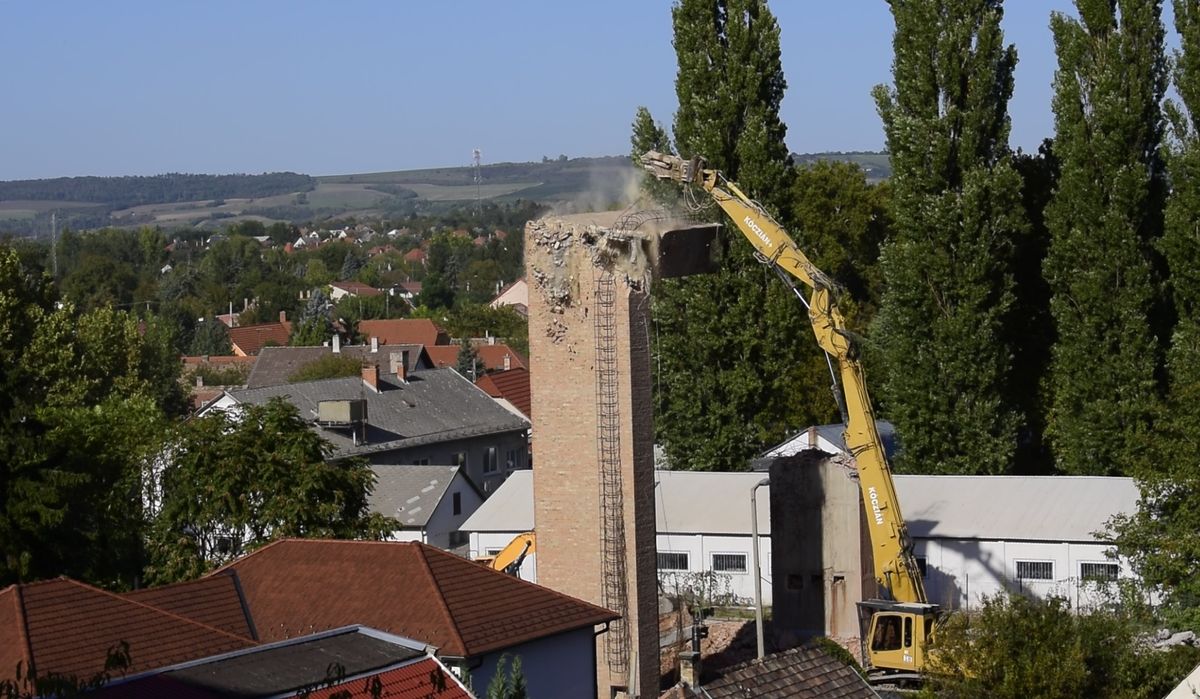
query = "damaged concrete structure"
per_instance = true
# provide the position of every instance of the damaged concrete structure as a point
(589, 343)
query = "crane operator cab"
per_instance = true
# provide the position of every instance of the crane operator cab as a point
(897, 636)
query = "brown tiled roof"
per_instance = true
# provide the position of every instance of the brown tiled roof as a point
(216, 360)
(415, 255)
(215, 601)
(797, 673)
(511, 385)
(66, 627)
(298, 586)
(251, 338)
(357, 288)
(492, 356)
(404, 331)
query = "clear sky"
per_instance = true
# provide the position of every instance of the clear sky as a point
(128, 87)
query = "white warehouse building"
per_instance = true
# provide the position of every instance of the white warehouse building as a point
(974, 536)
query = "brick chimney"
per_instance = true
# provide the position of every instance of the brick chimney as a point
(370, 375)
(507, 362)
(398, 365)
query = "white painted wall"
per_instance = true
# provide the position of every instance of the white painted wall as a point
(959, 573)
(443, 521)
(700, 549)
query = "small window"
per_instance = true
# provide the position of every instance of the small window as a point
(458, 503)
(923, 566)
(908, 632)
(510, 461)
(489, 461)
(672, 561)
(729, 562)
(1100, 572)
(494, 552)
(458, 539)
(1035, 570)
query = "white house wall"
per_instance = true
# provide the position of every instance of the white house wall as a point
(443, 521)
(700, 549)
(960, 573)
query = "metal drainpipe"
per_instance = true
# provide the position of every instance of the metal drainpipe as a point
(758, 606)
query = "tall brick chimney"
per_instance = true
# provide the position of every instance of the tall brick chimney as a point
(370, 375)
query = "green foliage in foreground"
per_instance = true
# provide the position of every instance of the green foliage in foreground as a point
(1017, 647)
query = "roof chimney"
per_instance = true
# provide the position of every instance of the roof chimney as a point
(370, 375)
(507, 361)
(337, 343)
(374, 344)
(283, 316)
(398, 365)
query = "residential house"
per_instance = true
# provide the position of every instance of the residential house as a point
(275, 366)
(510, 389)
(415, 256)
(69, 628)
(702, 519)
(407, 290)
(404, 331)
(427, 417)
(248, 340)
(473, 615)
(515, 295)
(342, 289)
(493, 356)
(431, 502)
(344, 662)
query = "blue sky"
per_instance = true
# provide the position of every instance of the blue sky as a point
(134, 88)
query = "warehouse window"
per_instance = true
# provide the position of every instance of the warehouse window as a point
(922, 565)
(1035, 570)
(672, 561)
(1102, 572)
(729, 562)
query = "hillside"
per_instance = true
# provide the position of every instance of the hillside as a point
(213, 201)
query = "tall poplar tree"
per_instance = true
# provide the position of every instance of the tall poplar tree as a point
(726, 344)
(1162, 539)
(1104, 220)
(943, 332)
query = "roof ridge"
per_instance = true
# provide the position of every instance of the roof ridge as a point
(244, 557)
(159, 610)
(23, 629)
(452, 623)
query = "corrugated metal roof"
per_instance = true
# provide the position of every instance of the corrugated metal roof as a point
(1031, 508)
(684, 502)
(509, 509)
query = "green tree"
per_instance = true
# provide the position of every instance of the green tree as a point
(1161, 539)
(331, 366)
(1016, 647)
(232, 484)
(313, 328)
(1105, 219)
(726, 343)
(649, 135)
(508, 683)
(210, 337)
(468, 360)
(943, 330)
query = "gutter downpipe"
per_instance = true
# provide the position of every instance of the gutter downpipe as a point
(758, 606)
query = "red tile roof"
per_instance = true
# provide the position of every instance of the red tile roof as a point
(66, 627)
(357, 288)
(492, 356)
(216, 360)
(413, 681)
(298, 586)
(415, 255)
(215, 601)
(249, 339)
(404, 331)
(511, 385)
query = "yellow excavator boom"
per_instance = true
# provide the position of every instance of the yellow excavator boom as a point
(510, 558)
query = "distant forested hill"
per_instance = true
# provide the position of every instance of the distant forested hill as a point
(122, 192)
(875, 163)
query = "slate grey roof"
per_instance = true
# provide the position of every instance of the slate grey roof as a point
(410, 492)
(797, 673)
(276, 364)
(509, 509)
(433, 406)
